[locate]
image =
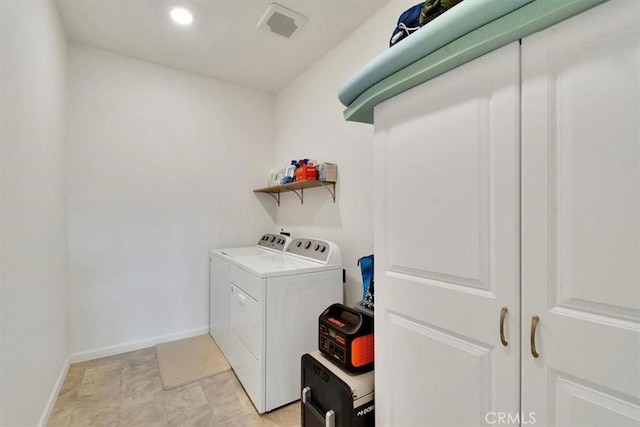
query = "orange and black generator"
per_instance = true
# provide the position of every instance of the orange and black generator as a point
(346, 338)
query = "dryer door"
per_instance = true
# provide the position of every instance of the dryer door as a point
(245, 320)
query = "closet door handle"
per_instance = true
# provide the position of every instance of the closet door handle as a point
(503, 314)
(534, 326)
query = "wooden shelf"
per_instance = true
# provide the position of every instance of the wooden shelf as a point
(298, 187)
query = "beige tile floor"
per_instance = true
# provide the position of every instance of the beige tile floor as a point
(125, 390)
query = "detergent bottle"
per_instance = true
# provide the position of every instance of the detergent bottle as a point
(290, 174)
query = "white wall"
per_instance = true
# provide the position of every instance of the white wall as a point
(33, 223)
(310, 124)
(161, 168)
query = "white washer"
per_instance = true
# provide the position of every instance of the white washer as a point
(219, 280)
(264, 311)
(268, 243)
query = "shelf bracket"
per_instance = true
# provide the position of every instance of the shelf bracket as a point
(300, 195)
(277, 198)
(332, 192)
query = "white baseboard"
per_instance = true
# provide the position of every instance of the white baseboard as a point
(135, 345)
(109, 351)
(54, 394)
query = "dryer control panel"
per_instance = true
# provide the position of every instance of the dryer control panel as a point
(316, 250)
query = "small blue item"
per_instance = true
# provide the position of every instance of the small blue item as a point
(366, 267)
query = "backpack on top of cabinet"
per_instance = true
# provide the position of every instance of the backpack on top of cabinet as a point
(419, 15)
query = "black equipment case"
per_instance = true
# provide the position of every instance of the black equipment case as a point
(332, 397)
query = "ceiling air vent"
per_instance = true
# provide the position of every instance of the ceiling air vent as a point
(280, 20)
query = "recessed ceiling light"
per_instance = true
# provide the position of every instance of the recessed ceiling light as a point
(181, 16)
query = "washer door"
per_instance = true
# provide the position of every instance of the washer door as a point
(244, 319)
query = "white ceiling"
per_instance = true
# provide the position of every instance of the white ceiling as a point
(223, 41)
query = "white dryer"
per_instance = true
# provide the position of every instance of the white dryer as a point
(264, 311)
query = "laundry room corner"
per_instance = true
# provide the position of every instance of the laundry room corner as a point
(310, 124)
(193, 192)
(159, 163)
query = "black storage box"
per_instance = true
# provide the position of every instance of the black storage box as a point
(332, 397)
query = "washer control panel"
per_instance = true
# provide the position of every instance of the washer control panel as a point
(274, 242)
(315, 249)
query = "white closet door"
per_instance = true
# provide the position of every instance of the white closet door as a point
(447, 246)
(581, 219)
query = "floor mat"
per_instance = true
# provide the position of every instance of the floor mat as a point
(188, 360)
